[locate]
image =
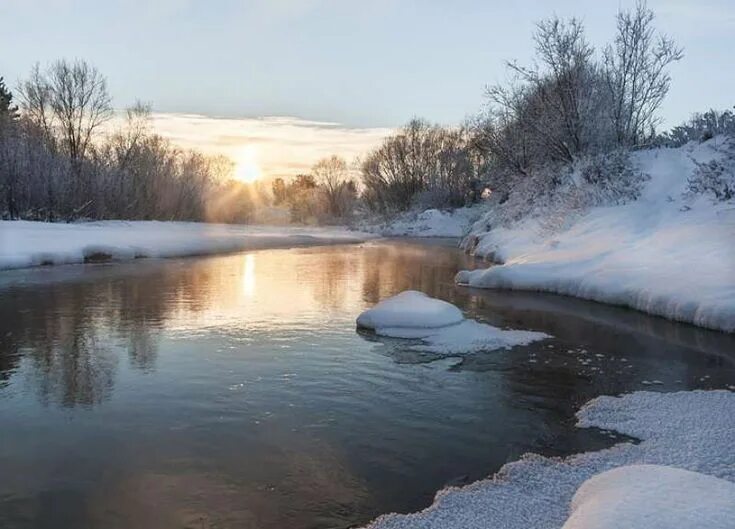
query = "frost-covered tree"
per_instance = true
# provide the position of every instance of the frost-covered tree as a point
(636, 74)
(561, 93)
(701, 127)
(552, 113)
(69, 101)
(129, 173)
(572, 105)
(423, 163)
(8, 110)
(9, 144)
(332, 176)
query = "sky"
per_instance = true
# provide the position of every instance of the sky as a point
(340, 73)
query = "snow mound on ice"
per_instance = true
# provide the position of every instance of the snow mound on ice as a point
(660, 254)
(653, 497)
(440, 325)
(410, 309)
(25, 244)
(692, 430)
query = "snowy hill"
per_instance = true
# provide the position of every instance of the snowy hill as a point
(664, 253)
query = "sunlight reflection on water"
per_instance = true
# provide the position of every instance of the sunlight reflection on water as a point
(234, 391)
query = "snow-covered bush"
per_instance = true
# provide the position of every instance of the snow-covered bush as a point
(600, 180)
(611, 178)
(527, 196)
(716, 178)
(556, 193)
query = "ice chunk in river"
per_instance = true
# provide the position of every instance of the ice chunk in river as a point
(653, 497)
(440, 325)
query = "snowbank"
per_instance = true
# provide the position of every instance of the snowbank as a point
(653, 497)
(691, 430)
(440, 325)
(430, 223)
(25, 244)
(658, 254)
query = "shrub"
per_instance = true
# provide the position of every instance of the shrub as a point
(716, 178)
(611, 178)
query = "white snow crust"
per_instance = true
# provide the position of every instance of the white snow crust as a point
(690, 430)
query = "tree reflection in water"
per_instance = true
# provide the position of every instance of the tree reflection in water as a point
(69, 330)
(234, 390)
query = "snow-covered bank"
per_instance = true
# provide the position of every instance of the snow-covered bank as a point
(26, 244)
(439, 325)
(429, 223)
(691, 430)
(662, 254)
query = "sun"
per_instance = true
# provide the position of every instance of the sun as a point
(246, 165)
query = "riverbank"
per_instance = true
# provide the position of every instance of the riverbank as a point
(667, 253)
(26, 244)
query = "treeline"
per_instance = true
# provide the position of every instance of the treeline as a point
(326, 195)
(576, 109)
(61, 158)
(424, 165)
(701, 127)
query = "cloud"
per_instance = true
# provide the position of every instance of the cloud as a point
(284, 145)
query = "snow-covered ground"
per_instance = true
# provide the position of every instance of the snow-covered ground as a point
(662, 254)
(429, 223)
(690, 430)
(26, 244)
(653, 497)
(441, 327)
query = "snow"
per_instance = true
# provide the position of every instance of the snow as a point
(439, 325)
(430, 223)
(662, 254)
(26, 244)
(653, 497)
(410, 309)
(691, 430)
(468, 336)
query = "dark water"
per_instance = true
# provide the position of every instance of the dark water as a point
(233, 391)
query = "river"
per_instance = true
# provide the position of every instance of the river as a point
(234, 390)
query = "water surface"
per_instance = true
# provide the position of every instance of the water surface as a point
(234, 391)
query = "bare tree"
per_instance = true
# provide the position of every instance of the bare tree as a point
(636, 74)
(69, 102)
(332, 175)
(130, 137)
(422, 164)
(552, 110)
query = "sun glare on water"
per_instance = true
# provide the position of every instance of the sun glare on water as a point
(246, 167)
